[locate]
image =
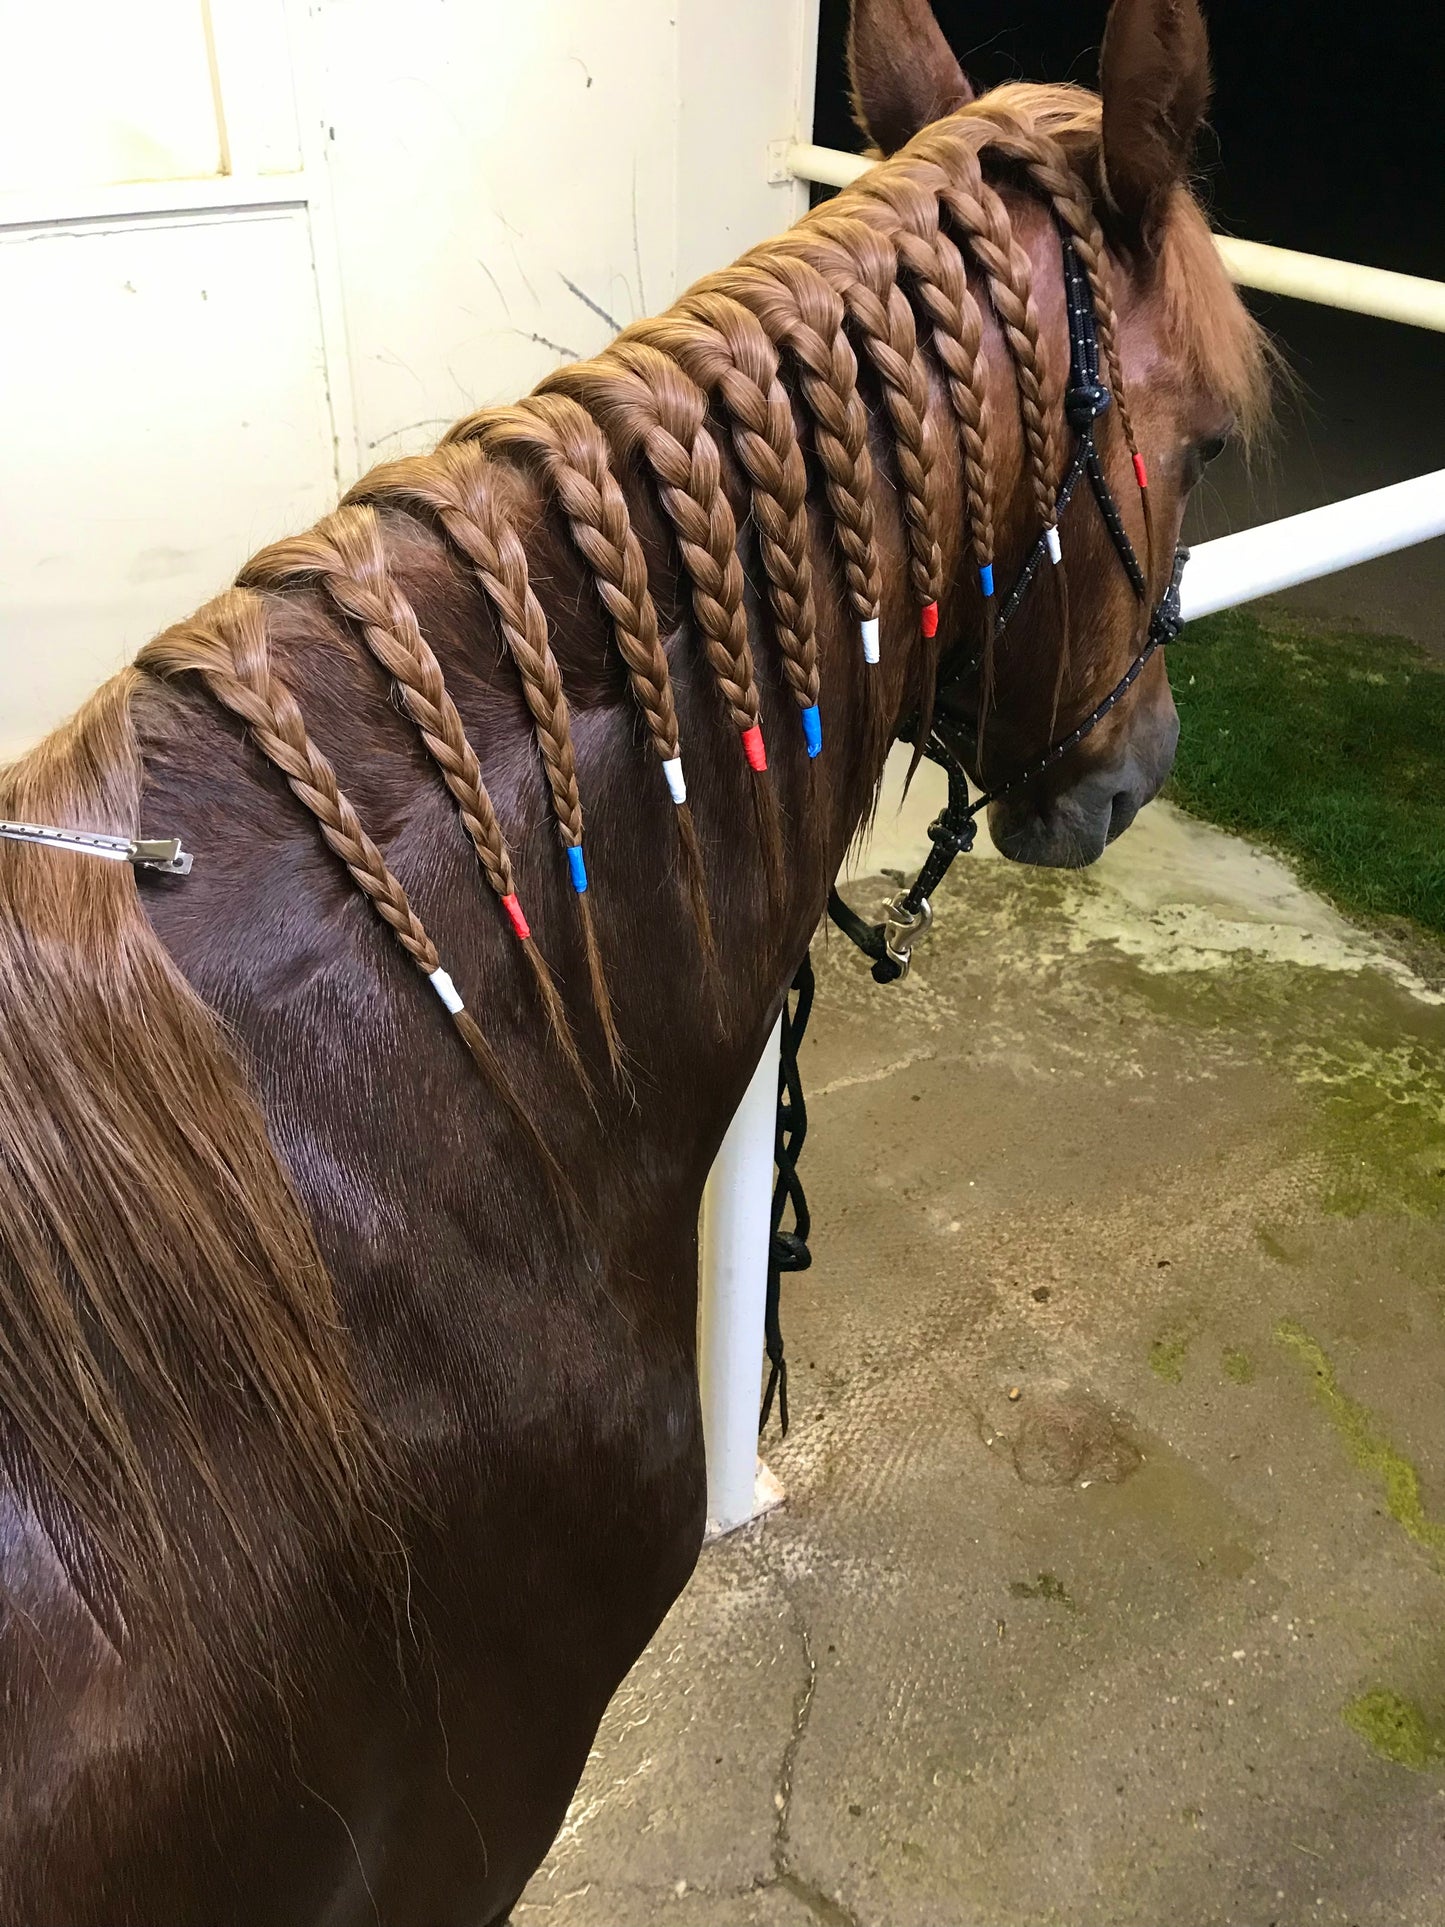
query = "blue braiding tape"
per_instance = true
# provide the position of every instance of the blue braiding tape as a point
(577, 864)
(985, 578)
(812, 729)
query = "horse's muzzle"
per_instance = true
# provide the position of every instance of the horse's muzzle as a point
(1073, 828)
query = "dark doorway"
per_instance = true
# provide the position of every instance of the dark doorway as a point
(1326, 137)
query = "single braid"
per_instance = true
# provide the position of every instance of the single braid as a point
(345, 555)
(226, 644)
(803, 316)
(862, 267)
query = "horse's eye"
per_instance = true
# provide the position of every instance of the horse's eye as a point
(1198, 456)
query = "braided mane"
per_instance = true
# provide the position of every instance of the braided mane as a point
(905, 265)
(159, 1279)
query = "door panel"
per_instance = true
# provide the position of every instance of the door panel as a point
(164, 398)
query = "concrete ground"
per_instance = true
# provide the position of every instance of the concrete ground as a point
(1110, 1585)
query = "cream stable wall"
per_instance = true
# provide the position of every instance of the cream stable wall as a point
(337, 226)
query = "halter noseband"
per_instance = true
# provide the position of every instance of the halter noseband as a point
(909, 915)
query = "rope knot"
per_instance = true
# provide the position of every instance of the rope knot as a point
(1084, 403)
(954, 832)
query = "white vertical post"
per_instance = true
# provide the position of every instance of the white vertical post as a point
(735, 1228)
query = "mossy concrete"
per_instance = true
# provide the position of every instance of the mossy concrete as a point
(1361, 1434)
(1162, 1147)
(1397, 1729)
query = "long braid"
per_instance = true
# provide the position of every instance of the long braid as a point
(724, 350)
(226, 644)
(643, 402)
(344, 553)
(811, 327)
(950, 168)
(524, 624)
(458, 485)
(705, 498)
(646, 405)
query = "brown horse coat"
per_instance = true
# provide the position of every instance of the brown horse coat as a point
(349, 1440)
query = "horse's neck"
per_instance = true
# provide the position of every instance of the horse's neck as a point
(640, 1157)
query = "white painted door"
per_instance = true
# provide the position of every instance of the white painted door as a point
(249, 246)
(167, 373)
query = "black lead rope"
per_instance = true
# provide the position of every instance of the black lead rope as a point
(787, 1250)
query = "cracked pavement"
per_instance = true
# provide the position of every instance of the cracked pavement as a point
(1137, 1146)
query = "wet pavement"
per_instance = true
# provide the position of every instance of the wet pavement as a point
(1110, 1586)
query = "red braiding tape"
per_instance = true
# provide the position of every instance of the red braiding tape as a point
(1141, 471)
(753, 748)
(519, 922)
(929, 620)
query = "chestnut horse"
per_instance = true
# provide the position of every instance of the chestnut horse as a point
(349, 1440)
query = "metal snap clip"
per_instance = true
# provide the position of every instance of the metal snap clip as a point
(902, 928)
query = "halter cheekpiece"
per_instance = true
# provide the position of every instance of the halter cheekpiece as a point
(910, 914)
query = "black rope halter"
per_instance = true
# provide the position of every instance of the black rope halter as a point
(953, 831)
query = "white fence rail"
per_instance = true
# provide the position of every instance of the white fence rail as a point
(1303, 277)
(1301, 548)
(1221, 574)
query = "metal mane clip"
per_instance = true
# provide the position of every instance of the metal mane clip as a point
(163, 853)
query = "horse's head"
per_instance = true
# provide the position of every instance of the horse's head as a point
(1185, 362)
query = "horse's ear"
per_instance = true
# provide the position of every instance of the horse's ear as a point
(901, 69)
(1154, 77)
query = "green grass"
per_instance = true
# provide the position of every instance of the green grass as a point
(1329, 747)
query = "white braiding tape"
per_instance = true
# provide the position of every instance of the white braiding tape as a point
(442, 984)
(676, 782)
(1055, 546)
(871, 631)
